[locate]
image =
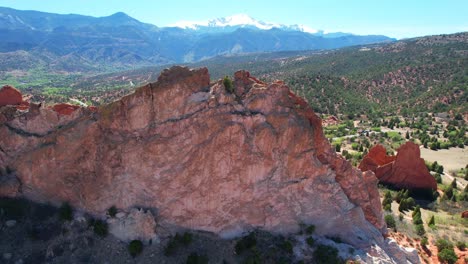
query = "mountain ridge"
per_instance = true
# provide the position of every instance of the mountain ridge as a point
(230, 23)
(75, 43)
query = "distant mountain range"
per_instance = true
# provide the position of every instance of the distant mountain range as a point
(76, 43)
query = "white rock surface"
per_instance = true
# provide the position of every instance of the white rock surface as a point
(7, 256)
(10, 223)
(138, 224)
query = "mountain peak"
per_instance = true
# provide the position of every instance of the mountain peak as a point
(119, 14)
(240, 20)
(237, 21)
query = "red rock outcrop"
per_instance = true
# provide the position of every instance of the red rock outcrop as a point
(376, 157)
(330, 121)
(204, 158)
(405, 170)
(10, 96)
(464, 214)
(65, 109)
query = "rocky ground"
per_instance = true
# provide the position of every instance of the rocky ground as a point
(34, 233)
(38, 233)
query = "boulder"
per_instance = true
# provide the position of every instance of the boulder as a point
(10, 96)
(464, 214)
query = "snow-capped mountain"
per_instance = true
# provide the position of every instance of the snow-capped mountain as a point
(103, 40)
(231, 23)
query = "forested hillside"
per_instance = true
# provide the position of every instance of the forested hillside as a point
(414, 75)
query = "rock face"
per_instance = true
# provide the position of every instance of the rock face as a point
(405, 170)
(204, 158)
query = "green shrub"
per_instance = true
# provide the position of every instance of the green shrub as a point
(171, 248)
(420, 230)
(135, 248)
(454, 184)
(335, 239)
(227, 82)
(66, 212)
(443, 244)
(194, 258)
(388, 196)
(14, 208)
(424, 242)
(410, 203)
(100, 227)
(431, 221)
(417, 210)
(112, 211)
(388, 207)
(438, 178)
(390, 221)
(440, 169)
(254, 257)
(327, 254)
(310, 241)
(245, 243)
(387, 201)
(287, 246)
(448, 194)
(176, 242)
(461, 245)
(447, 256)
(417, 219)
(186, 238)
(401, 195)
(406, 204)
(338, 148)
(310, 229)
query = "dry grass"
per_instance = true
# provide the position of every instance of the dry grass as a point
(451, 159)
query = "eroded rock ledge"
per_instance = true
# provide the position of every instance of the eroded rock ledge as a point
(204, 158)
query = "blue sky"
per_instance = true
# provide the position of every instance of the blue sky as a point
(394, 18)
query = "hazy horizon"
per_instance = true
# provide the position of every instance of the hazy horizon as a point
(397, 19)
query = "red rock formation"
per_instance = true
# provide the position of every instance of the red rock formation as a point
(405, 170)
(376, 157)
(331, 120)
(65, 109)
(93, 108)
(10, 96)
(205, 158)
(464, 214)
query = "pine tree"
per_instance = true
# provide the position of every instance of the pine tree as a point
(454, 183)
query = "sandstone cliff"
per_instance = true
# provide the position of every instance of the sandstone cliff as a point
(204, 158)
(405, 170)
